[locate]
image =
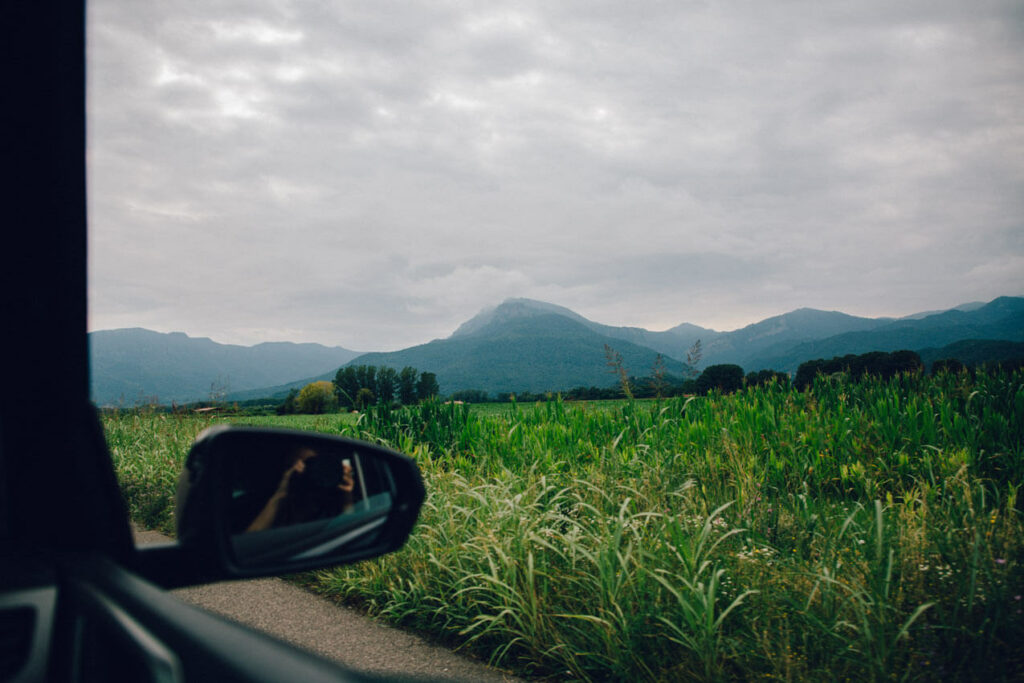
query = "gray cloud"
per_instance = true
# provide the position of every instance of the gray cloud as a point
(372, 174)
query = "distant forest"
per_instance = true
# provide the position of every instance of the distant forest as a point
(359, 387)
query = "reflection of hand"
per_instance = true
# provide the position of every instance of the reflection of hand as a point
(282, 487)
(348, 482)
(265, 519)
(347, 485)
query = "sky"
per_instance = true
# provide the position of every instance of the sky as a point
(371, 174)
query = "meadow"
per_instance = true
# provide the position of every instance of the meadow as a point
(856, 531)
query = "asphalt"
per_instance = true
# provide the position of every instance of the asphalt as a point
(331, 631)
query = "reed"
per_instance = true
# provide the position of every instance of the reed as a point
(858, 530)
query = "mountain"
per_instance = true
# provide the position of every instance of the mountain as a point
(1000, 319)
(535, 346)
(521, 346)
(774, 335)
(974, 305)
(511, 309)
(526, 345)
(974, 352)
(673, 342)
(129, 366)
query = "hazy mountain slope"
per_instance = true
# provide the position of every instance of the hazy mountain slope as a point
(1000, 319)
(509, 310)
(744, 346)
(132, 364)
(534, 352)
(971, 306)
(526, 345)
(974, 352)
(673, 342)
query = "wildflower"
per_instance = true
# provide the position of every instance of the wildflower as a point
(1000, 560)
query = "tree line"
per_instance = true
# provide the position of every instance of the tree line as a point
(874, 363)
(356, 387)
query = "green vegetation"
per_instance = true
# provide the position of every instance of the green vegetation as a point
(726, 378)
(856, 530)
(877, 363)
(359, 386)
(316, 398)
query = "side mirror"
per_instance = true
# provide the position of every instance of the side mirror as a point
(256, 501)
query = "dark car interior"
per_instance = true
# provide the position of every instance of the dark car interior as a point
(78, 601)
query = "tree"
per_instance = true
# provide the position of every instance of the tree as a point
(658, 382)
(366, 376)
(806, 373)
(288, 406)
(469, 396)
(950, 365)
(317, 398)
(387, 378)
(693, 357)
(364, 398)
(755, 379)
(613, 359)
(346, 386)
(427, 386)
(726, 377)
(407, 386)
(876, 363)
(900, 362)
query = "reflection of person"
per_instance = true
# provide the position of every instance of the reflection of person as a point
(310, 489)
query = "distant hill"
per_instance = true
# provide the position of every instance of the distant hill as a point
(517, 347)
(975, 352)
(673, 342)
(780, 342)
(962, 307)
(749, 345)
(1000, 319)
(129, 366)
(526, 345)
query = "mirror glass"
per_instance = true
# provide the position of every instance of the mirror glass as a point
(301, 499)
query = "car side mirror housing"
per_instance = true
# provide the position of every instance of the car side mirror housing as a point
(259, 501)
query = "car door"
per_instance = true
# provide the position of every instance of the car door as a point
(71, 606)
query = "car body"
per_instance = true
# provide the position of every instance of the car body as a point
(78, 601)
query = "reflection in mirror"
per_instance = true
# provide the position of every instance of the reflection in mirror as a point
(295, 501)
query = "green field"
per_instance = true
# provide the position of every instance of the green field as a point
(860, 531)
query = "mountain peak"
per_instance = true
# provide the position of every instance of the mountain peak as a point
(510, 309)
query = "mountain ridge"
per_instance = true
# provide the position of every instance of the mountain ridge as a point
(528, 345)
(132, 365)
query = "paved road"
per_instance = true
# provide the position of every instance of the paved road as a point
(313, 623)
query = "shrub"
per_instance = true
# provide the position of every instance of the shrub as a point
(316, 398)
(727, 378)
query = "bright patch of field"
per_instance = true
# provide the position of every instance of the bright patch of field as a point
(854, 531)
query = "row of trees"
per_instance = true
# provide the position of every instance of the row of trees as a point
(356, 387)
(728, 378)
(876, 363)
(725, 378)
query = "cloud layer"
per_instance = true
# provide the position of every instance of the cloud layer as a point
(372, 174)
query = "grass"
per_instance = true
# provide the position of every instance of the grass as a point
(860, 531)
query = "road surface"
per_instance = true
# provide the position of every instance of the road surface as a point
(329, 630)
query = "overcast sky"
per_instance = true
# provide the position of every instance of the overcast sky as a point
(371, 174)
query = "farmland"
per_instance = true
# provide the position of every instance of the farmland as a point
(857, 530)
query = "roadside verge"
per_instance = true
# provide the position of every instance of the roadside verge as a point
(329, 630)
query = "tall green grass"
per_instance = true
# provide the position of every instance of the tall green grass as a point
(865, 530)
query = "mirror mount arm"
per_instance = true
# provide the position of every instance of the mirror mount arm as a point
(169, 565)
